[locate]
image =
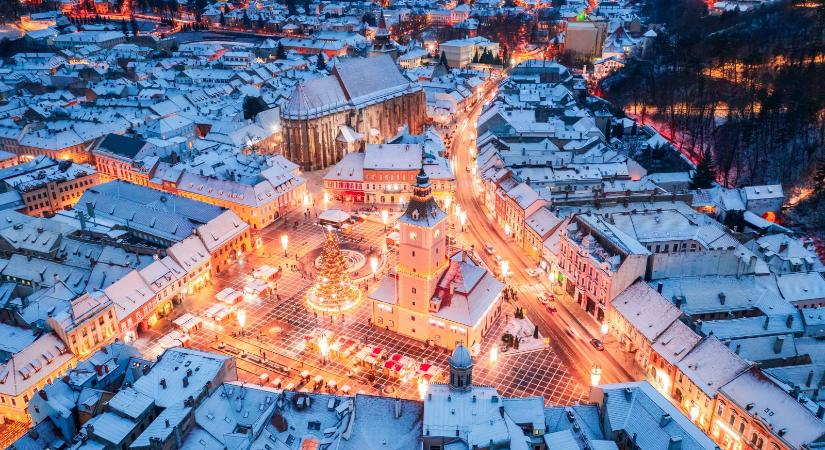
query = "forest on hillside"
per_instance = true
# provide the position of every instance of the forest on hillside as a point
(746, 89)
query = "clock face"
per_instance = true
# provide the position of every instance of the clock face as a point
(413, 235)
(437, 233)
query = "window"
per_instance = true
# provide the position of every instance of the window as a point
(413, 290)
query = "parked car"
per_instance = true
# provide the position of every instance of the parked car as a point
(597, 344)
(489, 249)
(532, 272)
(546, 298)
(552, 309)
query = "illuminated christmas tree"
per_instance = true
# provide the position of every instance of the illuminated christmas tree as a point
(333, 291)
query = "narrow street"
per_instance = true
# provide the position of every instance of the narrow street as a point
(575, 351)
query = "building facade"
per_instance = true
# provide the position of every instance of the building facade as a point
(446, 301)
(367, 95)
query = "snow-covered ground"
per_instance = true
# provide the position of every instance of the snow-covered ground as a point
(523, 329)
(9, 31)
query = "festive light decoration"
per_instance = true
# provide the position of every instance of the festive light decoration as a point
(333, 292)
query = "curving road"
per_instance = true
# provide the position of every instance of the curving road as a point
(576, 350)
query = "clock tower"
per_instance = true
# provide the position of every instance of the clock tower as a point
(422, 253)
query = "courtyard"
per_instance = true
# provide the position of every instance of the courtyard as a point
(279, 341)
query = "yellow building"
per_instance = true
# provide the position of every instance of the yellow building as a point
(88, 325)
(434, 297)
(26, 372)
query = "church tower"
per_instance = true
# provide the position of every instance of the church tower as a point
(422, 255)
(461, 369)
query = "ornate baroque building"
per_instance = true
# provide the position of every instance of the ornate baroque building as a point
(365, 100)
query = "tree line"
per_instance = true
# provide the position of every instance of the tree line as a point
(745, 89)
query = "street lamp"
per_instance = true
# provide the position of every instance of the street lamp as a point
(447, 202)
(323, 347)
(462, 217)
(507, 230)
(595, 375)
(284, 243)
(494, 354)
(241, 316)
(605, 328)
(505, 267)
(422, 388)
(385, 216)
(373, 265)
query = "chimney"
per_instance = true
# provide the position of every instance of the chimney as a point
(628, 393)
(783, 246)
(163, 383)
(777, 345)
(721, 298)
(820, 412)
(659, 287)
(397, 412)
(43, 394)
(167, 423)
(789, 321)
(767, 322)
(185, 381)
(795, 392)
(810, 378)
(675, 443)
(665, 420)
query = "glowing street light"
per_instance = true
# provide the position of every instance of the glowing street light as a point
(422, 388)
(505, 268)
(284, 243)
(507, 230)
(373, 265)
(605, 328)
(323, 347)
(241, 316)
(595, 375)
(447, 202)
(494, 354)
(694, 412)
(385, 217)
(462, 217)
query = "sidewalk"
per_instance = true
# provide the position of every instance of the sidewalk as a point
(611, 344)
